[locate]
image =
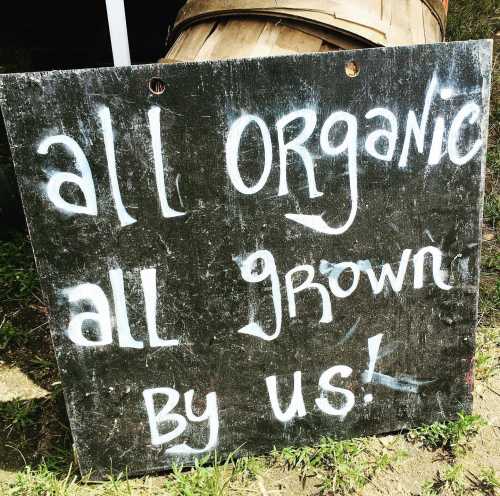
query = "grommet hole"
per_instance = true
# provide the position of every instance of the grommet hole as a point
(352, 69)
(156, 86)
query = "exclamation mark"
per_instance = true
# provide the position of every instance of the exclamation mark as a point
(367, 376)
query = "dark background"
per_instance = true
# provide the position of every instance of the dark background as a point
(39, 36)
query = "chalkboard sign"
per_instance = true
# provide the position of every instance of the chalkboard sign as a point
(256, 253)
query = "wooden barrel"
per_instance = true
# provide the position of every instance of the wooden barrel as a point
(220, 29)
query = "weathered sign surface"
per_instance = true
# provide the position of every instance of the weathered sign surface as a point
(268, 252)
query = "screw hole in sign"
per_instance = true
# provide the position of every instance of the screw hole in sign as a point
(352, 69)
(156, 86)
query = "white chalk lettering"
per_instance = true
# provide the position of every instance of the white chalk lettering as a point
(101, 317)
(296, 408)
(164, 416)
(390, 136)
(349, 145)
(211, 414)
(414, 128)
(437, 274)
(154, 128)
(248, 272)
(386, 280)
(84, 182)
(436, 153)
(324, 384)
(125, 339)
(148, 279)
(396, 281)
(373, 349)
(232, 153)
(334, 271)
(307, 284)
(295, 145)
(472, 111)
(109, 145)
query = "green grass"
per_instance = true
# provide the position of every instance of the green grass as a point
(339, 467)
(342, 467)
(472, 19)
(487, 346)
(42, 364)
(492, 208)
(42, 482)
(211, 477)
(451, 482)
(490, 257)
(452, 436)
(202, 479)
(486, 483)
(18, 415)
(489, 300)
(9, 334)
(119, 485)
(18, 277)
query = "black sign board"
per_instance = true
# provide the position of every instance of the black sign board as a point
(266, 252)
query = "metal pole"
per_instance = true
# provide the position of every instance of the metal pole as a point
(118, 32)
